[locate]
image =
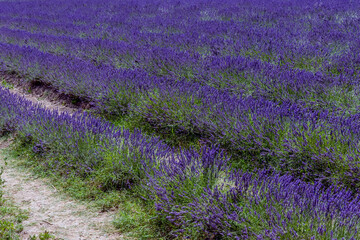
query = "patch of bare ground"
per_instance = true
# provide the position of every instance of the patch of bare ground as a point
(52, 211)
(39, 92)
(49, 210)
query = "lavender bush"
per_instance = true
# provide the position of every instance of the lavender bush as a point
(195, 193)
(274, 84)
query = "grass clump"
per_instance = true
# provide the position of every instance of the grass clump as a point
(180, 193)
(43, 236)
(106, 189)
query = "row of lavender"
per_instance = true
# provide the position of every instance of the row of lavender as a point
(313, 144)
(332, 22)
(332, 42)
(303, 34)
(196, 194)
(237, 75)
(171, 24)
(275, 83)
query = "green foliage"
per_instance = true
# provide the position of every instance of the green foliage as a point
(136, 219)
(43, 236)
(105, 189)
(177, 113)
(6, 84)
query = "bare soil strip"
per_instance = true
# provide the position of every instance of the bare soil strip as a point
(49, 210)
(39, 93)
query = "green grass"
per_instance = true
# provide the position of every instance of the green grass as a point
(43, 236)
(6, 84)
(134, 218)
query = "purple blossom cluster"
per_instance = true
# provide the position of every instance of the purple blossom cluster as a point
(275, 84)
(197, 192)
(285, 135)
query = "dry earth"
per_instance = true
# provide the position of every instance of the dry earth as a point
(49, 210)
(44, 95)
(44, 102)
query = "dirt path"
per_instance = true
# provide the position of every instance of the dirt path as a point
(43, 101)
(48, 98)
(51, 211)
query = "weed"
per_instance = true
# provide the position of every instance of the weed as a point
(43, 236)
(6, 84)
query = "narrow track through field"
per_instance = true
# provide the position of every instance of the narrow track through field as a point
(48, 209)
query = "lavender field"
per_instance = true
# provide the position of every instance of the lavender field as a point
(227, 119)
